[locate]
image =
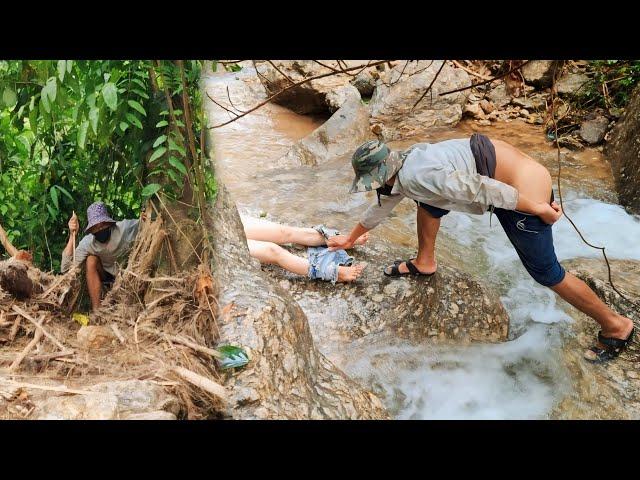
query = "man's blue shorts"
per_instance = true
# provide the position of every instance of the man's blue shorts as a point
(531, 237)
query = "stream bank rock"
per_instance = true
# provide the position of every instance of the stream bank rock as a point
(540, 73)
(287, 377)
(347, 128)
(623, 151)
(392, 102)
(121, 400)
(610, 390)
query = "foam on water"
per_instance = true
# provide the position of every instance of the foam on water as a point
(519, 379)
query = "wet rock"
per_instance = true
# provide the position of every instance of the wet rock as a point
(623, 151)
(92, 337)
(499, 96)
(288, 378)
(397, 92)
(487, 106)
(610, 390)
(571, 83)
(474, 110)
(532, 103)
(365, 82)
(111, 401)
(308, 98)
(347, 128)
(539, 73)
(570, 142)
(451, 305)
(593, 131)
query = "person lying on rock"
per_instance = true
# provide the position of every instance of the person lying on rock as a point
(107, 243)
(264, 239)
(474, 175)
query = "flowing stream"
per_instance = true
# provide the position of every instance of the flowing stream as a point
(522, 378)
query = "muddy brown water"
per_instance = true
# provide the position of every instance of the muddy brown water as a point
(525, 377)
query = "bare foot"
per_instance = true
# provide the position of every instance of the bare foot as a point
(349, 274)
(362, 239)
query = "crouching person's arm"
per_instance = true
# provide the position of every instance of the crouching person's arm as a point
(67, 253)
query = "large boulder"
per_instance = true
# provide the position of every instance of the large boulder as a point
(623, 151)
(121, 400)
(450, 306)
(540, 73)
(399, 88)
(347, 128)
(310, 97)
(287, 377)
(610, 390)
(571, 83)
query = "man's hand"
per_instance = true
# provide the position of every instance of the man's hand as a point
(74, 224)
(339, 242)
(550, 213)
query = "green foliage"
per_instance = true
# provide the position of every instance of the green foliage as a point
(75, 132)
(611, 83)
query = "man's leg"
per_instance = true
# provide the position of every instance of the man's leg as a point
(427, 226)
(95, 274)
(266, 231)
(270, 253)
(578, 294)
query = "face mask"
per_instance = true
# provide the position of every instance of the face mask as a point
(103, 235)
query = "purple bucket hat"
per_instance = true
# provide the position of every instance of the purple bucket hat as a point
(97, 213)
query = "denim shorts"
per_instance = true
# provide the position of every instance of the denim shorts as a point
(531, 237)
(533, 240)
(323, 263)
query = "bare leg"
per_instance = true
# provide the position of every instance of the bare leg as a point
(273, 254)
(266, 231)
(428, 227)
(95, 274)
(578, 294)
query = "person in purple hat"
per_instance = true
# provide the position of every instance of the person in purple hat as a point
(108, 242)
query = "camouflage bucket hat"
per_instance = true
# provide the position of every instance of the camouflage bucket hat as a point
(373, 165)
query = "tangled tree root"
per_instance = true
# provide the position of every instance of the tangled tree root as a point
(156, 326)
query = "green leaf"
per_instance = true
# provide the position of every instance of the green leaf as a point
(110, 95)
(141, 93)
(52, 212)
(157, 154)
(33, 121)
(82, 134)
(94, 113)
(136, 106)
(50, 89)
(160, 140)
(44, 99)
(66, 193)
(178, 165)
(150, 189)
(139, 82)
(175, 176)
(124, 126)
(9, 98)
(133, 119)
(162, 123)
(174, 146)
(62, 68)
(54, 197)
(69, 65)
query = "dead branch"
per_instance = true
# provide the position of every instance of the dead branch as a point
(202, 382)
(37, 336)
(486, 81)
(469, 71)
(46, 334)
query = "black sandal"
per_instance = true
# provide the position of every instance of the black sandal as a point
(613, 348)
(413, 270)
